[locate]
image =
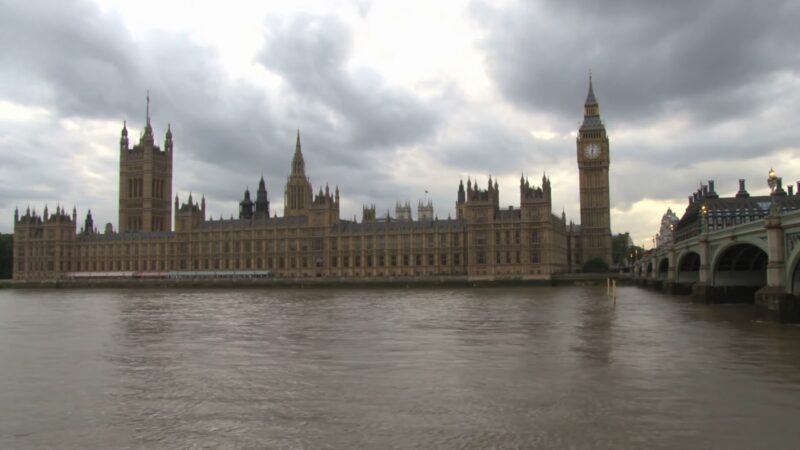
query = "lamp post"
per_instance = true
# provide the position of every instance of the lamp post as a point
(704, 224)
(772, 180)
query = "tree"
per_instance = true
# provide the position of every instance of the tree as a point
(595, 265)
(619, 248)
(6, 255)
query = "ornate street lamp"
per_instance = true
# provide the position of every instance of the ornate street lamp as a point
(772, 180)
(704, 224)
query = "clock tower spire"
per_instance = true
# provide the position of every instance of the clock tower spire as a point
(593, 163)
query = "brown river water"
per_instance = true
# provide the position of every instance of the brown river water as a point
(561, 368)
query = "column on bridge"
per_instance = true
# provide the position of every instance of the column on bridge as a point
(776, 267)
(672, 273)
(702, 291)
(772, 301)
(705, 264)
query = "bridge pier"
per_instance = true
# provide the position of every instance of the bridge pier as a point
(705, 294)
(774, 304)
(772, 301)
(676, 288)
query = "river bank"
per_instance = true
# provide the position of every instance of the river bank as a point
(406, 282)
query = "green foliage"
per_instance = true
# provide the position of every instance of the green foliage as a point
(619, 248)
(623, 252)
(595, 265)
(6, 255)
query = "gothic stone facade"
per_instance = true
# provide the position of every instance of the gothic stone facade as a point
(483, 242)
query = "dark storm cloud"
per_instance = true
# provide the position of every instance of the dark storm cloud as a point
(650, 58)
(311, 52)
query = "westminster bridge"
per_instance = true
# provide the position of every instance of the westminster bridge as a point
(755, 262)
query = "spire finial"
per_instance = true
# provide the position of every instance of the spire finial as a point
(590, 99)
(297, 146)
(148, 107)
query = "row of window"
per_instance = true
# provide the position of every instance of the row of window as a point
(279, 263)
(509, 257)
(136, 188)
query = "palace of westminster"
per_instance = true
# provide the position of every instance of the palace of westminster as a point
(483, 241)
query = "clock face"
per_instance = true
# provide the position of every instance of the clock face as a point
(592, 151)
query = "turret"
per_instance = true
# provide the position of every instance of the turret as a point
(246, 206)
(403, 211)
(262, 202)
(88, 224)
(425, 210)
(368, 213)
(461, 194)
(324, 208)
(190, 215)
(168, 139)
(123, 140)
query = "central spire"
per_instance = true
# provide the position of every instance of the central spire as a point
(298, 165)
(298, 194)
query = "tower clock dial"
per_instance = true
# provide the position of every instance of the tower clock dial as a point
(592, 151)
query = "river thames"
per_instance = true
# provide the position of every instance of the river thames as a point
(367, 368)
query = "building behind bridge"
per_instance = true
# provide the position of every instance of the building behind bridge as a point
(707, 211)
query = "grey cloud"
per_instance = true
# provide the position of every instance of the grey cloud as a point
(648, 57)
(310, 53)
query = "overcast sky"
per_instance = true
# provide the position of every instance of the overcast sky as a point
(393, 99)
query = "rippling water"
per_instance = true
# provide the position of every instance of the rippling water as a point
(361, 368)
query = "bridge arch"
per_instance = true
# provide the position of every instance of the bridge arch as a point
(688, 267)
(663, 269)
(793, 278)
(724, 251)
(740, 269)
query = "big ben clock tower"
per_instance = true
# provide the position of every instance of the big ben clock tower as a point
(593, 161)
